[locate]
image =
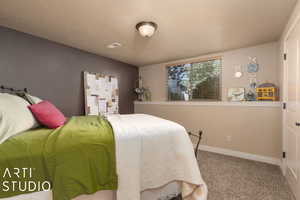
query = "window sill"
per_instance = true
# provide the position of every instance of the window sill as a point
(213, 103)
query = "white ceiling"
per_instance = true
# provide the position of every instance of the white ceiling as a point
(186, 28)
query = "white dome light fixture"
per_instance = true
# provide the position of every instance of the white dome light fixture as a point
(146, 29)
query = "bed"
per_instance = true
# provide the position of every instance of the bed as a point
(154, 160)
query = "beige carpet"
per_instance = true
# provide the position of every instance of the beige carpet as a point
(230, 178)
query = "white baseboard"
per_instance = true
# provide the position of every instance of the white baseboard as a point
(283, 167)
(270, 160)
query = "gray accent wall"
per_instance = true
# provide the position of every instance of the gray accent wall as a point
(53, 71)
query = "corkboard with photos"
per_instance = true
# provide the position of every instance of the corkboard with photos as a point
(101, 94)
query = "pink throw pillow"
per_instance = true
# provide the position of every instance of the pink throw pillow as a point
(47, 114)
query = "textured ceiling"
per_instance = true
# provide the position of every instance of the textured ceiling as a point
(186, 28)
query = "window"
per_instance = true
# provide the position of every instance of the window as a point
(195, 81)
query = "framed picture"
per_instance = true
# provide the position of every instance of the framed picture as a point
(236, 94)
(101, 94)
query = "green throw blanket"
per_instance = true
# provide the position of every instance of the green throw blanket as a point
(77, 158)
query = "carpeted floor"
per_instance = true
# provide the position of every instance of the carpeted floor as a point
(230, 178)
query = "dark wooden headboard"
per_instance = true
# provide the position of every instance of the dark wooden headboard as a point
(19, 92)
(12, 90)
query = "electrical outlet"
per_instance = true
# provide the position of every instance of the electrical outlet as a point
(228, 138)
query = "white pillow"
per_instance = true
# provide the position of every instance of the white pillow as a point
(33, 99)
(36, 99)
(15, 117)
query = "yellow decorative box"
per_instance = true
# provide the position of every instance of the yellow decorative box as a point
(267, 94)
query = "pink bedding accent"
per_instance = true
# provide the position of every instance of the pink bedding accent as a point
(47, 114)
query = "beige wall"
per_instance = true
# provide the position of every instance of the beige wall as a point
(255, 130)
(154, 76)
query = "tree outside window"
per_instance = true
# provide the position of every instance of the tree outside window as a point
(195, 81)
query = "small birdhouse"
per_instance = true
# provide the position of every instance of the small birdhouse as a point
(267, 92)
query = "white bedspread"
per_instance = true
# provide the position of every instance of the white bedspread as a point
(152, 152)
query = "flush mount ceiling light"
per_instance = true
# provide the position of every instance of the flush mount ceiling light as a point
(114, 45)
(146, 29)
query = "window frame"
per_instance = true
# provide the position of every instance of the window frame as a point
(196, 61)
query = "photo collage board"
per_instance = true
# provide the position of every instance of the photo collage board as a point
(101, 94)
